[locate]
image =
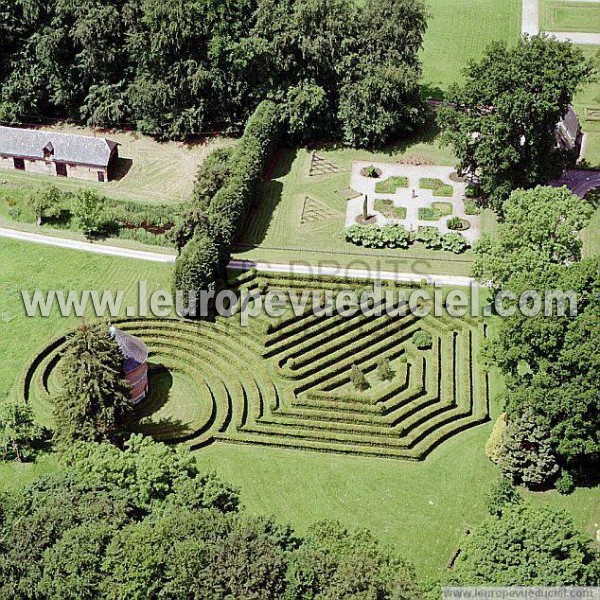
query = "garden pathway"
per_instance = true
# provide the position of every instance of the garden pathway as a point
(530, 24)
(243, 265)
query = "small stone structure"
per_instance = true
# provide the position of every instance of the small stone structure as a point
(58, 154)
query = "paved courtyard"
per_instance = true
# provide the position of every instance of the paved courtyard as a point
(412, 197)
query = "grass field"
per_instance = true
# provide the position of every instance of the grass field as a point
(559, 15)
(459, 31)
(149, 171)
(277, 232)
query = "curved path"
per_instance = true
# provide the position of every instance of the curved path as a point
(244, 265)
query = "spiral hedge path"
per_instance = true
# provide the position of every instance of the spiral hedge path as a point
(286, 382)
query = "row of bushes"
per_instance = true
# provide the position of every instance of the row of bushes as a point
(204, 257)
(395, 236)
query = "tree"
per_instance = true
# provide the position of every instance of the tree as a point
(422, 340)
(540, 227)
(332, 562)
(94, 398)
(382, 103)
(359, 381)
(384, 371)
(527, 546)
(88, 211)
(526, 455)
(45, 203)
(19, 432)
(501, 121)
(551, 364)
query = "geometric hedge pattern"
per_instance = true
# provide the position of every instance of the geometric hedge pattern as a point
(314, 211)
(319, 165)
(285, 382)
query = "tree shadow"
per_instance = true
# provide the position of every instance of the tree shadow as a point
(270, 191)
(160, 383)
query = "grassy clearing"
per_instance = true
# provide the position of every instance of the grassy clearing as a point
(148, 171)
(390, 185)
(387, 209)
(558, 15)
(459, 31)
(275, 231)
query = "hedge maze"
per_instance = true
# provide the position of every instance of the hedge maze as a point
(286, 382)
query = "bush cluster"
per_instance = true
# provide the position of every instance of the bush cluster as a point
(395, 236)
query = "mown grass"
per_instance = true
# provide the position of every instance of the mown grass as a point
(458, 32)
(569, 16)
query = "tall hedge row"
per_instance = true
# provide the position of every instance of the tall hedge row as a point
(229, 207)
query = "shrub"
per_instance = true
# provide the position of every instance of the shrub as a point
(430, 236)
(471, 191)
(454, 242)
(388, 236)
(471, 208)
(565, 484)
(359, 381)
(455, 223)
(494, 443)
(422, 340)
(501, 495)
(428, 213)
(371, 171)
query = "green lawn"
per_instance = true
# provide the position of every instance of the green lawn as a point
(561, 15)
(459, 31)
(589, 97)
(31, 266)
(276, 231)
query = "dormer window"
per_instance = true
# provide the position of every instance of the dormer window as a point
(48, 150)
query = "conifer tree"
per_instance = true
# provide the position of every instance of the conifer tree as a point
(526, 455)
(358, 379)
(384, 371)
(94, 399)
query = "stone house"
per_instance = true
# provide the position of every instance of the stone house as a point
(58, 154)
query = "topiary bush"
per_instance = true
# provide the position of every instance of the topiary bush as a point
(454, 242)
(430, 236)
(422, 340)
(455, 223)
(359, 381)
(388, 236)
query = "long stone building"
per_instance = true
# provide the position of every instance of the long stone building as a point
(58, 154)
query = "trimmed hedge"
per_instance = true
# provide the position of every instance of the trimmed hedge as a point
(229, 207)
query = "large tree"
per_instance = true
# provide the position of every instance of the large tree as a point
(501, 121)
(19, 433)
(94, 400)
(551, 363)
(540, 228)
